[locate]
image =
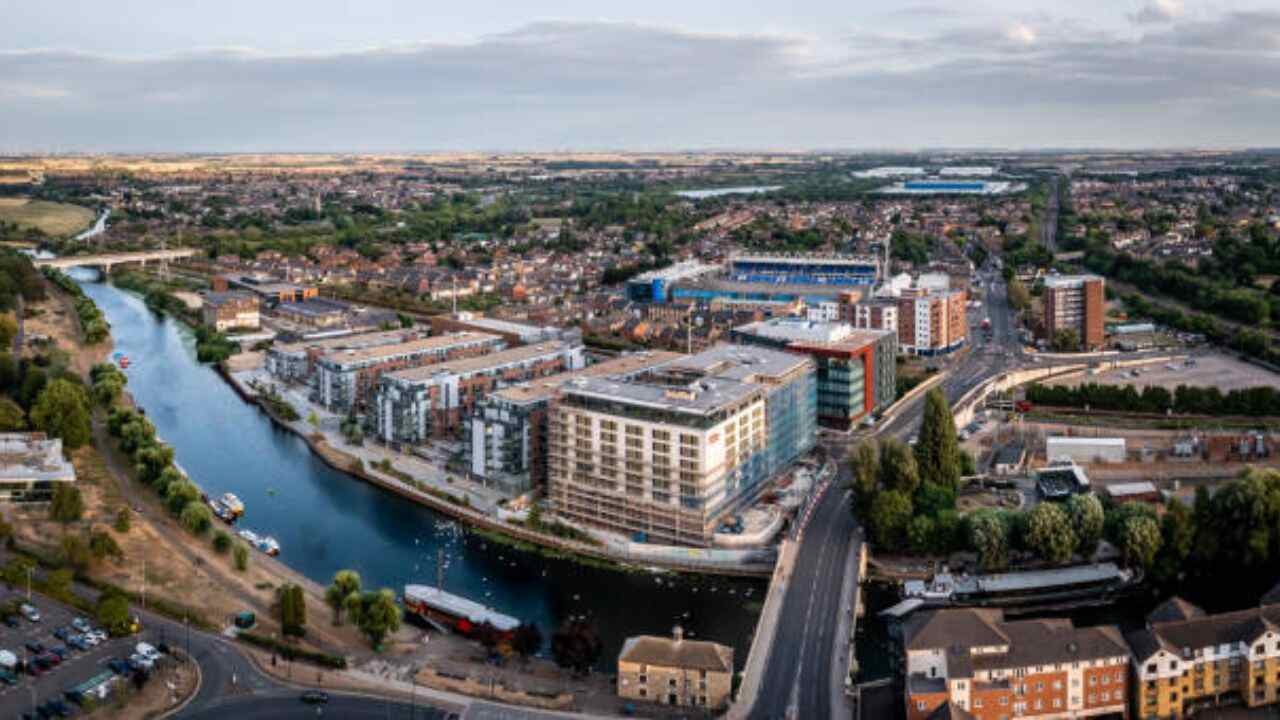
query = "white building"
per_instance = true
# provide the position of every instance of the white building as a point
(1085, 449)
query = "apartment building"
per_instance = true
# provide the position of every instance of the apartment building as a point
(345, 379)
(224, 311)
(31, 467)
(415, 404)
(505, 439)
(931, 322)
(1075, 302)
(675, 671)
(1185, 660)
(667, 454)
(971, 662)
(875, 314)
(514, 333)
(856, 369)
(295, 362)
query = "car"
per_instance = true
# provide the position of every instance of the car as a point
(29, 612)
(11, 620)
(57, 708)
(315, 697)
(62, 633)
(91, 639)
(96, 636)
(77, 642)
(34, 647)
(61, 651)
(7, 677)
(141, 661)
(119, 666)
(51, 658)
(148, 651)
(81, 625)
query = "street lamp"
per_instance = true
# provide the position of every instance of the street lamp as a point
(29, 570)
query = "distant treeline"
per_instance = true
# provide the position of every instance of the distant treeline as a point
(1255, 401)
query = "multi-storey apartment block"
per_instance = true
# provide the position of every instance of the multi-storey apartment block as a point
(931, 322)
(668, 454)
(345, 379)
(505, 439)
(1075, 302)
(1185, 659)
(969, 662)
(419, 403)
(295, 362)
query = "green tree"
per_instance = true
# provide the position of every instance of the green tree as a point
(932, 498)
(179, 494)
(1049, 533)
(59, 583)
(1066, 340)
(1177, 539)
(12, 418)
(890, 515)
(67, 505)
(222, 542)
(1141, 541)
(74, 551)
(989, 537)
(377, 615)
(8, 330)
(921, 534)
(1087, 518)
(898, 469)
(937, 450)
(112, 613)
(62, 411)
(527, 639)
(346, 583)
(1019, 295)
(123, 521)
(103, 546)
(196, 517)
(240, 556)
(292, 605)
(864, 468)
(299, 609)
(576, 646)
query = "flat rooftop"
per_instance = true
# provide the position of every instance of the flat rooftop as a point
(1065, 440)
(1067, 281)
(798, 330)
(500, 326)
(439, 342)
(544, 388)
(32, 456)
(701, 397)
(855, 341)
(314, 306)
(740, 362)
(781, 259)
(466, 366)
(340, 342)
(687, 268)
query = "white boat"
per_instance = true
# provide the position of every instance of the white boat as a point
(269, 546)
(250, 537)
(233, 504)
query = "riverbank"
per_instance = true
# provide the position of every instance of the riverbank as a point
(457, 507)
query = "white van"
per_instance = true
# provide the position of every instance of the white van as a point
(148, 651)
(8, 660)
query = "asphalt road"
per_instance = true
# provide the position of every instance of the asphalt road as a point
(287, 704)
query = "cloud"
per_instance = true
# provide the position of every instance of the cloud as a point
(600, 85)
(1157, 11)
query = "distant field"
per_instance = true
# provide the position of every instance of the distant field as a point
(55, 219)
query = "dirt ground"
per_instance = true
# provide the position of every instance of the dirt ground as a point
(55, 318)
(166, 689)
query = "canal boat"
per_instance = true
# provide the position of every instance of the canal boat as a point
(232, 504)
(250, 537)
(269, 546)
(1075, 586)
(221, 511)
(453, 613)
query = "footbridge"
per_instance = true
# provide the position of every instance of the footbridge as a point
(107, 260)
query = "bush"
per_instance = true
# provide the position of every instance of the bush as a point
(289, 652)
(124, 520)
(222, 542)
(240, 555)
(196, 517)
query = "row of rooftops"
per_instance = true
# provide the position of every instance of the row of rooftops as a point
(1179, 627)
(481, 363)
(438, 343)
(625, 365)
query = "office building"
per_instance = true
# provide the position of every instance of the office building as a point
(1077, 303)
(346, 378)
(429, 401)
(31, 467)
(224, 311)
(1185, 658)
(675, 671)
(972, 663)
(931, 322)
(505, 439)
(666, 455)
(856, 369)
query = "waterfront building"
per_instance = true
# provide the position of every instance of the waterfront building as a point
(295, 362)
(31, 467)
(931, 322)
(230, 310)
(419, 403)
(1185, 658)
(971, 662)
(667, 455)
(856, 369)
(505, 439)
(346, 378)
(675, 671)
(1078, 303)
(513, 333)
(654, 286)
(315, 313)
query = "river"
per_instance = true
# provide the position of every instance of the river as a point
(327, 520)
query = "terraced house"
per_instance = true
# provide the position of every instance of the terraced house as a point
(972, 663)
(1186, 660)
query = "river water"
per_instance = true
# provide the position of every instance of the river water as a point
(326, 520)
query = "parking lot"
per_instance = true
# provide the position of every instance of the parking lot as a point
(1209, 370)
(78, 666)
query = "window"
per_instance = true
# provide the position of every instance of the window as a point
(1057, 702)
(1004, 699)
(977, 703)
(920, 705)
(1039, 687)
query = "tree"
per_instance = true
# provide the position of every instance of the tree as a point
(292, 605)
(12, 418)
(124, 520)
(59, 583)
(932, 498)
(68, 505)
(179, 494)
(240, 556)
(8, 329)
(864, 467)
(989, 537)
(890, 515)
(1066, 340)
(222, 542)
(196, 517)
(1141, 541)
(576, 646)
(920, 534)
(376, 614)
(937, 450)
(526, 640)
(113, 613)
(1087, 517)
(898, 469)
(62, 411)
(1049, 533)
(346, 583)
(103, 546)
(1177, 539)
(1019, 295)
(74, 551)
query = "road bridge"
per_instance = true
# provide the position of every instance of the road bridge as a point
(106, 261)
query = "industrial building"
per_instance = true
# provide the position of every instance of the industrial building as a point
(505, 439)
(269, 290)
(668, 454)
(224, 311)
(1077, 303)
(345, 379)
(931, 322)
(31, 467)
(1084, 449)
(419, 403)
(856, 369)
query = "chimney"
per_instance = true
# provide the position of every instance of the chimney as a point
(678, 633)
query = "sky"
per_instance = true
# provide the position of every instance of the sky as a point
(658, 75)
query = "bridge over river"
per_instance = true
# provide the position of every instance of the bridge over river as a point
(105, 261)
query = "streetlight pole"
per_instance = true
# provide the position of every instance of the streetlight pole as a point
(29, 570)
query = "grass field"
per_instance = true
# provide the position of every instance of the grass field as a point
(56, 219)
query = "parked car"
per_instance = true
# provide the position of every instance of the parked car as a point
(119, 666)
(96, 636)
(11, 620)
(29, 612)
(77, 642)
(315, 697)
(62, 633)
(141, 661)
(51, 659)
(61, 651)
(81, 625)
(34, 647)
(7, 677)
